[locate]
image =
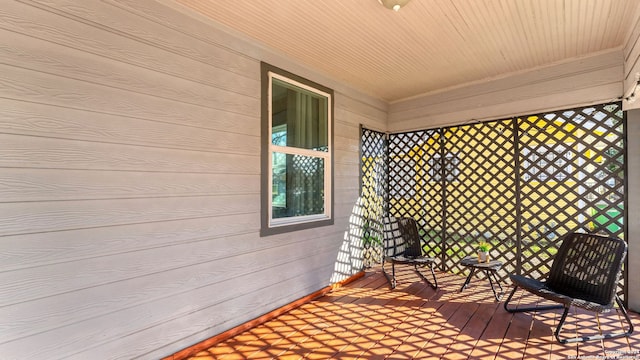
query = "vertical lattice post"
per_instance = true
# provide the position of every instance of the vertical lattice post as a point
(373, 191)
(413, 192)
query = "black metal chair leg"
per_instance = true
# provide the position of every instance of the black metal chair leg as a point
(391, 279)
(506, 302)
(626, 315)
(559, 327)
(594, 337)
(425, 279)
(393, 276)
(433, 273)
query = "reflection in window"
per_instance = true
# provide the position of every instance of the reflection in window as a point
(298, 185)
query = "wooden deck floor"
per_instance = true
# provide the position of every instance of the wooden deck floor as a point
(366, 320)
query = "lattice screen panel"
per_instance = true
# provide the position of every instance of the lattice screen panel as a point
(519, 184)
(373, 191)
(412, 191)
(572, 179)
(480, 179)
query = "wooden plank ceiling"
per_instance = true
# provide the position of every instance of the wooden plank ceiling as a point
(429, 45)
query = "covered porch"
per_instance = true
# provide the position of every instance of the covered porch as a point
(132, 187)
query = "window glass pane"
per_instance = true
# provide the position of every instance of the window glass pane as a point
(279, 183)
(279, 135)
(298, 185)
(299, 117)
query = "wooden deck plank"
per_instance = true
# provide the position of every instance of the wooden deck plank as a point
(451, 330)
(586, 324)
(361, 331)
(402, 307)
(394, 326)
(295, 344)
(427, 320)
(287, 325)
(367, 320)
(540, 340)
(467, 340)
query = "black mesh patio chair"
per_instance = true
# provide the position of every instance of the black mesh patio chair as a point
(402, 245)
(585, 273)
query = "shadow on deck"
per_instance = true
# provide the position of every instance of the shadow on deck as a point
(367, 320)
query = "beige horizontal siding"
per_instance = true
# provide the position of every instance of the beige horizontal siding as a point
(571, 83)
(130, 177)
